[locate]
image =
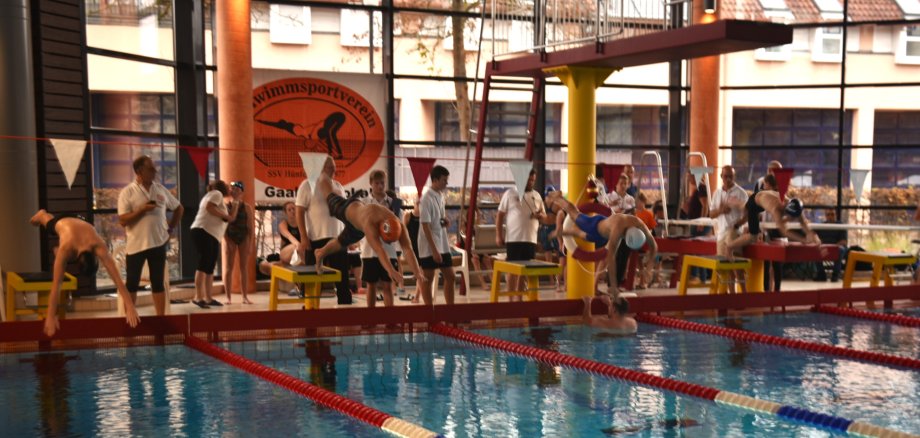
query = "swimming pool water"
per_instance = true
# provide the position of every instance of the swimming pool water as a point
(464, 391)
(880, 395)
(842, 331)
(168, 391)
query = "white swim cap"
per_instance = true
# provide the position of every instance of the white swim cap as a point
(635, 238)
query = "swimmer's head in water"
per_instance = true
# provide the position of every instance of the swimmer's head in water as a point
(390, 229)
(635, 238)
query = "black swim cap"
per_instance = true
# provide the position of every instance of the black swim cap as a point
(794, 207)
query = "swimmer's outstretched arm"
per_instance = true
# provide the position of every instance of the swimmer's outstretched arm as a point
(51, 321)
(404, 243)
(109, 263)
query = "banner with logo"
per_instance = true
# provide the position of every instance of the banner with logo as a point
(296, 115)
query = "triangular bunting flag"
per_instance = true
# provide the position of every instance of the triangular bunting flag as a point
(612, 175)
(199, 158)
(421, 170)
(520, 169)
(858, 178)
(69, 154)
(313, 163)
(783, 176)
(698, 173)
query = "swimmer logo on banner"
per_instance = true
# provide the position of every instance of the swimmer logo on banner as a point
(311, 115)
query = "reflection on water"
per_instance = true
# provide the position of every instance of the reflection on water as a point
(53, 392)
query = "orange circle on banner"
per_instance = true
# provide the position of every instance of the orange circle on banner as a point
(312, 115)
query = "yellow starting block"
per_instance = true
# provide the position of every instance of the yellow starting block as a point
(531, 269)
(305, 275)
(882, 263)
(38, 282)
(720, 266)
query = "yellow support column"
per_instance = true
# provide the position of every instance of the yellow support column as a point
(581, 83)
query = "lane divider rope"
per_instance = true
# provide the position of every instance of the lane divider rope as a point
(789, 413)
(814, 347)
(907, 321)
(319, 395)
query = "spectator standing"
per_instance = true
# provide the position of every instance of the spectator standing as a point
(630, 172)
(523, 214)
(142, 209)
(772, 271)
(207, 231)
(621, 202)
(237, 242)
(373, 273)
(727, 207)
(433, 246)
(317, 227)
(833, 237)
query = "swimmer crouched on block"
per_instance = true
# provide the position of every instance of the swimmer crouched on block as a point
(78, 241)
(372, 221)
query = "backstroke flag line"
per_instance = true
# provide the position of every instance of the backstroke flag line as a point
(421, 170)
(313, 164)
(69, 154)
(858, 178)
(520, 169)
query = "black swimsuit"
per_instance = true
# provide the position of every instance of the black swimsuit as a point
(337, 207)
(753, 212)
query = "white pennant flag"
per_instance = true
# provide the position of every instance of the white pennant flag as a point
(69, 154)
(698, 172)
(520, 169)
(858, 178)
(313, 164)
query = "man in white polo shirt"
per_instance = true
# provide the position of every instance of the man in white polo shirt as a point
(726, 207)
(319, 227)
(142, 209)
(433, 245)
(523, 215)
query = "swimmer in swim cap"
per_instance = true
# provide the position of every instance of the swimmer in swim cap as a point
(79, 243)
(364, 219)
(605, 231)
(768, 200)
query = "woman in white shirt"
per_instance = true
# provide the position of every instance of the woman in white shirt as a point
(207, 230)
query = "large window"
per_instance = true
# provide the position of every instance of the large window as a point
(506, 122)
(632, 125)
(896, 166)
(810, 137)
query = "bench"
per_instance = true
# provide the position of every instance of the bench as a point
(33, 282)
(720, 266)
(305, 275)
(531, 269)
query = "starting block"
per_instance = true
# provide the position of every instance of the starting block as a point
(38, 282)
(532, 270)
(720, 266)
(883, 263)
(305, 275)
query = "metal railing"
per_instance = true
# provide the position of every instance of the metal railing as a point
(524, 26)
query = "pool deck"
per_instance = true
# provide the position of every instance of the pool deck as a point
(104, 305)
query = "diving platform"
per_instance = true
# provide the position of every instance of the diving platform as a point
(700, 40)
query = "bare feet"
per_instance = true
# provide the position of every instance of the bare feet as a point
(37, 218)
(246, 301)
(319, 254)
